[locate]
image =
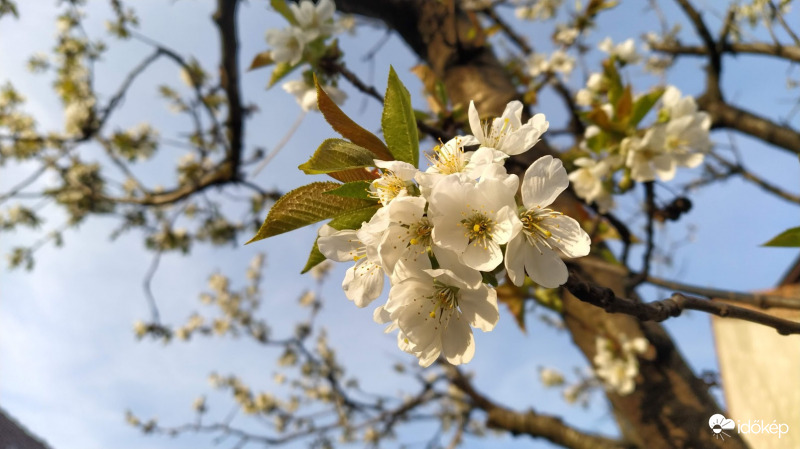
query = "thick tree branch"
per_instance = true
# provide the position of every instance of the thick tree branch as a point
(760, 300)
(530, 423)
(714, 69)
(671, 307)
(724, 115)
(225, 18)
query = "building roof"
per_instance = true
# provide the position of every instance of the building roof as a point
(14, 436)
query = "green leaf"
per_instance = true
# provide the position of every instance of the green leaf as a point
(337, 155)
(262, 59)
(282, 8)
(614, 80)
(787, 238)
(356, 189)
(349, 129)
(314, 258)
(643, 105)
(398, 122)
(306, 205)
(354, 218)
(281, 70)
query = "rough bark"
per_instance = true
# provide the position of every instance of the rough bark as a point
(671, 406)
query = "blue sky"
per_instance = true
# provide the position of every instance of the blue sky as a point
(70, 365)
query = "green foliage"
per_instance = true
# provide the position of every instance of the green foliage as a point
(399, 123)
(314, 258)
(789, 238)
(643, 105)
(281, 70)
(282, 8)
(355, 189)
(337, 155)
(306, 205)
(355, 218)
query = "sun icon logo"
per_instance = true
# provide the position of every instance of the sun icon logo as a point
(718, 424)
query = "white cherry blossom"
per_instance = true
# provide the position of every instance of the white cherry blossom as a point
(363, 282)
(616, 364)
(507, 133)
(474, 219)
(545, 233)
(450, 158)
(315, 19)
(287, 45)
(588, 181)
(396, 179)
(624, 51)
(434, 310)
(306, 94)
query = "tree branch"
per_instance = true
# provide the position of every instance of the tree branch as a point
(790, 53)
(671, 307)
(529, 423)
(225, 18)
(723, 115)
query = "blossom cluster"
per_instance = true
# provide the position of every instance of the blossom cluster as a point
(679, 137)
(310, 25)
(617, 363)
(442, 232)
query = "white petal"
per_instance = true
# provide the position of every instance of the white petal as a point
(451, 261)
(513, 112)
(475, 123)
(544, 180)
(402, 170)
(545, 267)
(363, 283)
(392, 246)
(429, 355)
(479, 308)
(339, 245)
(381, 316)
(568, 236)
(458, 344)
(665, 167)
(406, 209)
(515, 259)
(483, 258)
(507, 225)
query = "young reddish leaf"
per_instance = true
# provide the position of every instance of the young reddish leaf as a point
(349, 129)
(624, 105)
(262, 59)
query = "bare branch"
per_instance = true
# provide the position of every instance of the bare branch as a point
(671, 307)
(790, 53)
(529, 423)
(724, 115)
